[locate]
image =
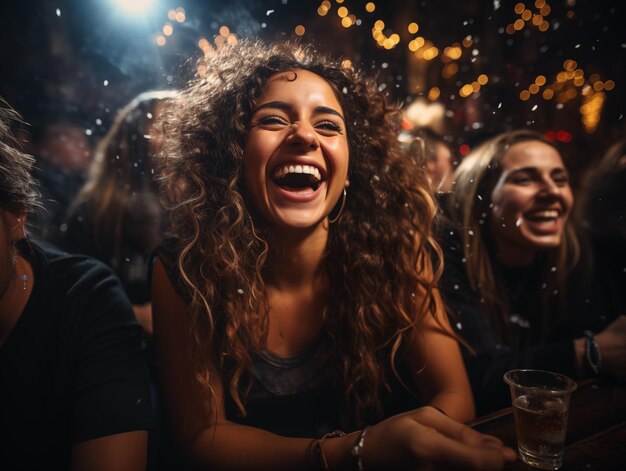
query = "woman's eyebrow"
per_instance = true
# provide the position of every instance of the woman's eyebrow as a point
(281, 105)
(327, 110)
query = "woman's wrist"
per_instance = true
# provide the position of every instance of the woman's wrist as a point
(338, 452)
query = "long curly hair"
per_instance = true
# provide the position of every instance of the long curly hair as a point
(122, 183)
(470, 206)
(382, 262)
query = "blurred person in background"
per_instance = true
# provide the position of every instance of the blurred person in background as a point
(74, 387)
(603, 218)
(117, 217)
(423, 139)
(63, 151)
(512, 281)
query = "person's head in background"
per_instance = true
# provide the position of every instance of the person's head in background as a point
(121, 178)
(603, 208)
(512, 200)
(423, 139)
(436, 157)
(18, 196)
(62, 141)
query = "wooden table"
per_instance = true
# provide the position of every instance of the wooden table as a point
(596, 429)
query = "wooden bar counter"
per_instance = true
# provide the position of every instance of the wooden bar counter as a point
(596, 429)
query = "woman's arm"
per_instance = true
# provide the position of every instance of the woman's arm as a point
(420, 438)
(434, 358)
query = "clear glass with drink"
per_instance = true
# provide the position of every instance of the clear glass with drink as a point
(540, 405)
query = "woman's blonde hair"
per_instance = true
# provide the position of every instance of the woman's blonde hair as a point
(382, 262)
(470, 207)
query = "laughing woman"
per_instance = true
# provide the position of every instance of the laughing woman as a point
(512, 282)
(298, 296)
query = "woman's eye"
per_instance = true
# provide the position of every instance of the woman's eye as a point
(328, 126)
(561, 180)
(272, 119)
(521, 180)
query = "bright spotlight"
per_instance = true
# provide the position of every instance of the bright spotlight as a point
(135, 7)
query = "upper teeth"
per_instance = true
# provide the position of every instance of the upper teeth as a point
(308, 169)
(548, 213)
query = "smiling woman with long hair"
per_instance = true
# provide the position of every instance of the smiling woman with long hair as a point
(299, 295)
(512, 282)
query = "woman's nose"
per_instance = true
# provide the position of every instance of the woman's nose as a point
(550, 187)
(303, 134)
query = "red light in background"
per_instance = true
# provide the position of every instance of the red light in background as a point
(549, 135)
(464, 149)
(563, 136)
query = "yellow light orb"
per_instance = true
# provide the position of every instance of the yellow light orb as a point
(609, 85)
(379, 25)
(395, 38)
(548, 94)
(534, 89)
(168, 29)
(180, 16)
(537, 19)
(342, 12)
(466, 90)
(160, 40)
(370, 7)
(540, 80)
(518, 25)
(569, 64)
(434, 93)
(539, 3)
(543, 27)
(299, 30)
(322, 10)
(524, 95)
(346, 22)
(598, 86)
(526, 15)
(545, 10)
(413, 28)
(224, 30)
(519, 8)
(482, 79)
(171, 14)
(510, 29)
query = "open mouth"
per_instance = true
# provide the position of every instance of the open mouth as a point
(545, 215)
(298, 178)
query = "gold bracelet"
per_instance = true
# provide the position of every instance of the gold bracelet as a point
(320, 446)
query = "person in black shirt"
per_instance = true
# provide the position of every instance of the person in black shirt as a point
(73, 379)
(512, 282)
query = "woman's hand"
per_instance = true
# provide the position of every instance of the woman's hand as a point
(426, 439)
(612, 345)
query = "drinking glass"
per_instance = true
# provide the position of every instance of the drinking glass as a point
(540, 405)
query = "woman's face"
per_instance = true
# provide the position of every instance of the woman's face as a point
(296, 152)
(531, 200)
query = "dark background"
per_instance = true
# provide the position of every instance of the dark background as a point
(88, 58)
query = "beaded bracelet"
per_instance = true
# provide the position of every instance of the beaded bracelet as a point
(357, 450)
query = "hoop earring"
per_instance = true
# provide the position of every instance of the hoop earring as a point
(343, 204)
